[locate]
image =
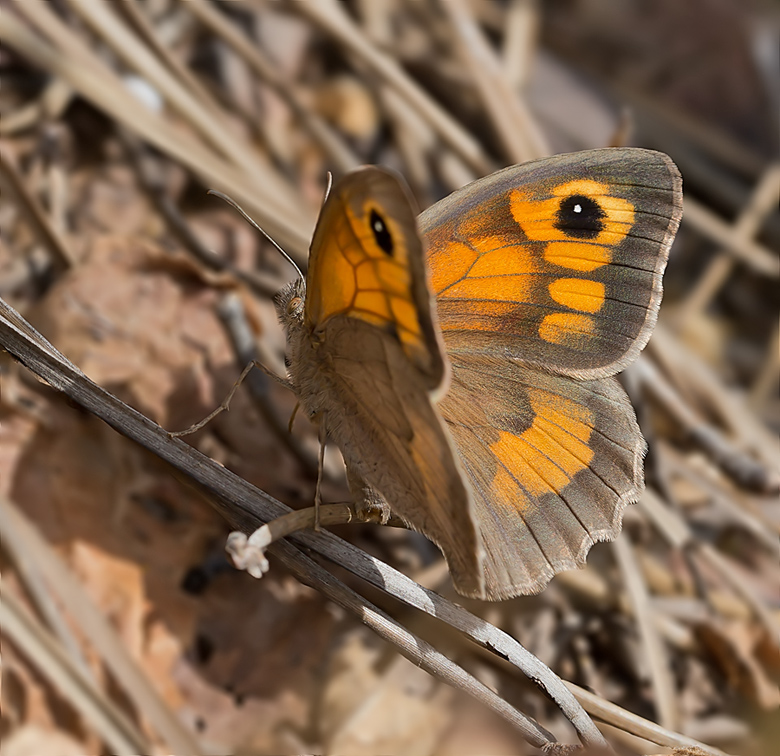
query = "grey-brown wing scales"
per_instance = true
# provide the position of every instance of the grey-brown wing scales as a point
(552, 463)
(381, 416)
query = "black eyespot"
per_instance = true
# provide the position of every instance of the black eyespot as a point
(381, 233)
(287, 362)
(580, 217)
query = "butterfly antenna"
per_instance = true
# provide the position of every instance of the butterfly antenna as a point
(237, 207)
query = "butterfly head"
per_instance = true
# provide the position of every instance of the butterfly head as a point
(289, 303)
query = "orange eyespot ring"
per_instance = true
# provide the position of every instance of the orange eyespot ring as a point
(294, 304)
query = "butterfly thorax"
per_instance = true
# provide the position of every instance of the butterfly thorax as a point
(308, 359)
(300, 357)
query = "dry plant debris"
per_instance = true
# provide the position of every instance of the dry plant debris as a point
(125, 628)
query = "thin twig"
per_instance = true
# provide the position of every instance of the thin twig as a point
(344, 158)
(737, 465)
(756, 256)
(48, 106)
(761, 202)
(676, 531)
(414, 648)
(520, 135)
(245, 507)
(136, 12)
(737, 507)
(28, 554)
(149, 172)
(738, 154)
(768, 377)
(207, 121)
(90, 77)
(521, 36)
(636, 725)
(690, 372)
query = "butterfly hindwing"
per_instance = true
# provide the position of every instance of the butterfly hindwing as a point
(552, 462)
(557, 262)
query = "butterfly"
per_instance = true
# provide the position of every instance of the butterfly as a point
(464, 361)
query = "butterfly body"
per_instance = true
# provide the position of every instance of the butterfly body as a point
(371, 391)
(547, 278)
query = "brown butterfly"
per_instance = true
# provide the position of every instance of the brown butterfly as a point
(507, 442)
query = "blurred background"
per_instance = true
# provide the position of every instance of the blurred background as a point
(116, 119)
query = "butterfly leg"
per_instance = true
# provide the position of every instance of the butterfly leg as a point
(225, 405)
(323, 436)
(292, 417)
(286, 382)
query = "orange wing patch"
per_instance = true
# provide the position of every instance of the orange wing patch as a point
(491, 288)
(589, 233)
(577, 255)
(581, 223)
(485, 279)
(365, 280)
(578, 293)
(450, 263)
(568, 328)
(537, 217)
(546, 456)
(605, 221)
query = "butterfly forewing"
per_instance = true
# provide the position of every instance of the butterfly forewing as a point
(557, 262)
(367, 263)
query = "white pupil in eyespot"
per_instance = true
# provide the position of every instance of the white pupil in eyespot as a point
(578, 208)
(378, 225)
